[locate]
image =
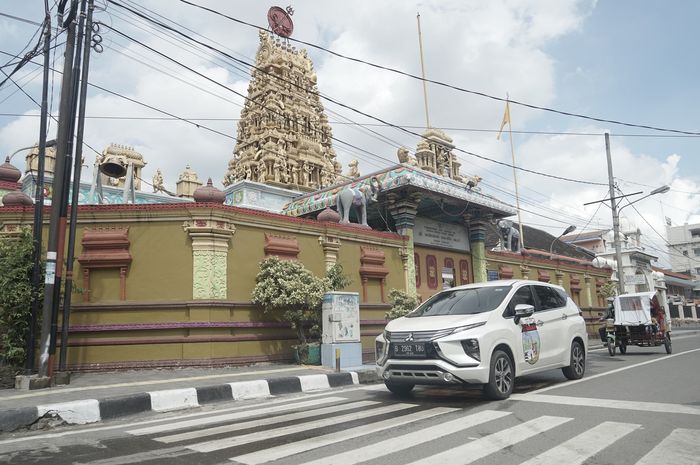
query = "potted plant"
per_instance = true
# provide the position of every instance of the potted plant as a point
(291, 293)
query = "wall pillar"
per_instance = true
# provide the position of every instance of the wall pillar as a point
(477, 244)
(560, 277)
(403, 210)
(588, 292)
(525, 271)
(331, 246)
(210, 243)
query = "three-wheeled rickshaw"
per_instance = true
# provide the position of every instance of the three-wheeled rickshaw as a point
(639, 319)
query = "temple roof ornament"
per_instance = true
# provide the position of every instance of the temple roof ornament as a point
(187, 183)
(284, 138)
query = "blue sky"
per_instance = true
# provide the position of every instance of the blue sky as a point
(627, 60)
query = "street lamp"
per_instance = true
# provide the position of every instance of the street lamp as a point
(566, 231)
(49, 143)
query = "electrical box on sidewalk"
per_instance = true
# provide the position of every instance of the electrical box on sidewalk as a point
(341, 329)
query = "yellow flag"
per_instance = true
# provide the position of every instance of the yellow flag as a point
(506, 120)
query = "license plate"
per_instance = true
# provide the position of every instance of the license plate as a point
(409, 350)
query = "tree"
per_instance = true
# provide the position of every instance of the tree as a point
(401, 304)
(290, 292)
(16, 293)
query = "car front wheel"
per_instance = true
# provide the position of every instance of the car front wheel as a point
(501, 377)
(577, 362)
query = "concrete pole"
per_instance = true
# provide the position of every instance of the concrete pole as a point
(39, 199)
(616, 220)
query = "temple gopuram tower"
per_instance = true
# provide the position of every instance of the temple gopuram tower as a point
(284, 138)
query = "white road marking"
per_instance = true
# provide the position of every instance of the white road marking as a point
(609, 403)
(173, 399)
(77, 412)
(628, 367)
(218, 444)
(264, 421)
(576, 450)
(405, 441)
(681, 447)
(286, 450)
(487, 445)
(172, 426)
(92, 429)
(314, 383)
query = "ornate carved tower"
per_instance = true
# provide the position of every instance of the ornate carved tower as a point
(284, 138)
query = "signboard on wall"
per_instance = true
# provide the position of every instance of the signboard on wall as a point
(492, 275)
(437, 234)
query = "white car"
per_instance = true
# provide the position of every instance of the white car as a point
(484, 334)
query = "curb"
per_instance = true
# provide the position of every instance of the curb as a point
(94, 410)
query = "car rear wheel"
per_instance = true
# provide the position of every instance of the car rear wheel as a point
(501, 377)
(399, 389)
(577, 362)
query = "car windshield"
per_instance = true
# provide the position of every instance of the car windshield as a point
(462, 302)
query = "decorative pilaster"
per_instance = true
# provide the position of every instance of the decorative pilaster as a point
(331, 246)
(477, 238)
(589, 293)
(560, 277)
(403, 210)
(525, 271)
(210, 242)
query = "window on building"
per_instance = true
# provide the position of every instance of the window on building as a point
(696, 251)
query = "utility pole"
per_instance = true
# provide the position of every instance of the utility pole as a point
(39, 198)
(57, 224)
(616, 220)
(76, 182)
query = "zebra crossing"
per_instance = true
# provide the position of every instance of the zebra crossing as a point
(318, 431)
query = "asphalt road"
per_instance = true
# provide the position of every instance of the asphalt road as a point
(640, 408)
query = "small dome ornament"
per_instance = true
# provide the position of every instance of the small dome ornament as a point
(209, 194)
(16, 199)
(8, 172)
(328, 216)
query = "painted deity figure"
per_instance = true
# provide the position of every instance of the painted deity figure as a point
(158, 181)
(353, 170)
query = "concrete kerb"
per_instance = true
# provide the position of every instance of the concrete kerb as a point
(95, 410)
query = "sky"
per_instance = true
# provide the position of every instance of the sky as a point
(632, 61)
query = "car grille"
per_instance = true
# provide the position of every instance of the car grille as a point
(417, 336)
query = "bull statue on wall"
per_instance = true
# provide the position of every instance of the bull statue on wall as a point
(358, 197)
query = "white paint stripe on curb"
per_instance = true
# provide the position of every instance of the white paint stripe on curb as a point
(173, 399)
(250, 389)
(314, 383)
(355, 378)
(77, 412)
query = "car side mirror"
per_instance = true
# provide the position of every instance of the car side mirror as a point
(523, 311)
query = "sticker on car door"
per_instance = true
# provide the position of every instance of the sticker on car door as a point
(531, 342)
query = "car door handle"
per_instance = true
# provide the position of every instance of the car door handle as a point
(539, 322)
(564, 316)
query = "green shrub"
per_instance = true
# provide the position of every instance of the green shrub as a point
(401, 303)
(15, 296)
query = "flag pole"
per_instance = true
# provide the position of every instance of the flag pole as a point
(422, 69)
(515, 173)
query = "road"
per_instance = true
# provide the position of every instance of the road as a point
(641, 408)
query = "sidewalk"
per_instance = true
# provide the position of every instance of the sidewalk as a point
(92, 397)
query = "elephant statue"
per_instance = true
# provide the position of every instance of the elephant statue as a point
(359, 197)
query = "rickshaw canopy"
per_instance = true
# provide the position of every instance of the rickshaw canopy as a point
(633, 309)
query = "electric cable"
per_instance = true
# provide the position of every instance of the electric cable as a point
(440, 83)
(325, 97)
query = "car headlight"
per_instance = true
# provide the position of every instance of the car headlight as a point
(471, 348)
(459, 329)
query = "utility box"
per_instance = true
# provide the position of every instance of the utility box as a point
(341, 329)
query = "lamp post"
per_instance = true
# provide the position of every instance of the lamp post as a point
(566, 231)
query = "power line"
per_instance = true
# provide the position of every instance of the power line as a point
(443, 84)
(17, 18)
(325, 97)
